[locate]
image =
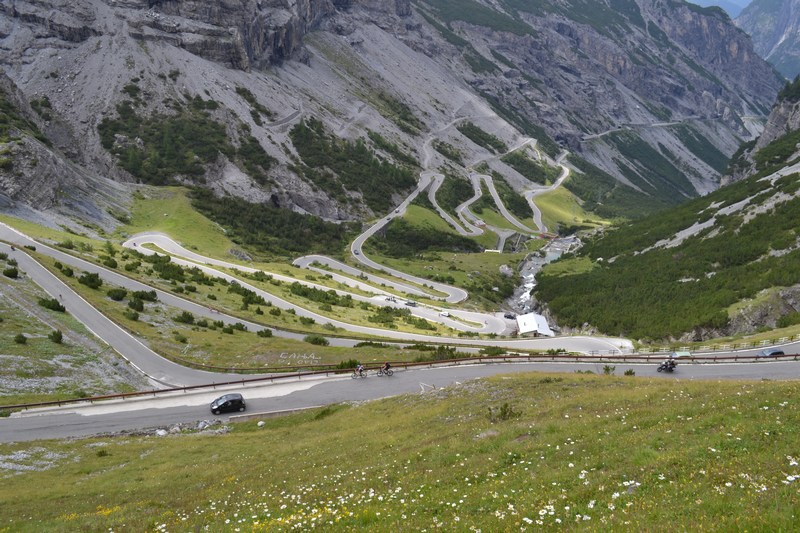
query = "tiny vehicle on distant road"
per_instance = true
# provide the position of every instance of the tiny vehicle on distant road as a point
(228, 403)
(770, 352)
(667, 366)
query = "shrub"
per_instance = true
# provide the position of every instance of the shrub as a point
(110, 262)
(505, 412)
(136, 304)
(91, 280)
(52, 304)
(117, 294)
(11, 272)
(318, 340)
(148, 296)
(608, 369)
(20, 338)
(185, 318)
(56, 336)
(265, 333)
(130, 314)
(630, 372)
(350, 363)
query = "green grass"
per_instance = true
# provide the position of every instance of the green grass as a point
(572, 452)
(561, 209)
(169, 210)
(568, 267)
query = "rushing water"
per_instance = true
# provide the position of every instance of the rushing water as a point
(521, 301)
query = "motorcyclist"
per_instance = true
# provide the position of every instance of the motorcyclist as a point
(671, 364)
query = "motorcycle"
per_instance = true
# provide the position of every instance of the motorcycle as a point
(667, 366)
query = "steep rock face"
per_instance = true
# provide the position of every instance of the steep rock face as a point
(617, 88)
(784, 118)
(241, 33)
(659, 72)
(775, 29)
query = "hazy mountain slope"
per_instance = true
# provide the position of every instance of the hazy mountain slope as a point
(732, 8)
(178, 91)
(723, 264)
(774, 26)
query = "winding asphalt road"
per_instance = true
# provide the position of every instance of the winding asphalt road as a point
(189, 408)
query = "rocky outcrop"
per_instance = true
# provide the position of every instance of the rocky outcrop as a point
(242, 33)
(73, 25)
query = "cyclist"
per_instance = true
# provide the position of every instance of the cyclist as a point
(360, 369)
(386, 366)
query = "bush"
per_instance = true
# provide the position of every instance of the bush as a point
(318, 340)
(185, 318)
(110, 262)
(350, 363)
(52, 304)
(265, 333)
(11, 272)
(130, 314)
(117, 294)
(148, 296)
(56, 336)
(505, 412)
(91, 280)
(136, 304)
(20, 338)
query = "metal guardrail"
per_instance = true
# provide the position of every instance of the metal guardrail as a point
(512, 358)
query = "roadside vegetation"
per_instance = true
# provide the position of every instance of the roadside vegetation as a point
(535, 171)
(482, 138)
(453, 192)
(665, 292)
(59, 359)
(505, 453)
(272, 231)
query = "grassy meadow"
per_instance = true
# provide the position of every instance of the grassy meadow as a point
(509, 453)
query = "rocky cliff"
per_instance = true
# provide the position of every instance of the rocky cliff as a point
(656, 92)
(775, 29)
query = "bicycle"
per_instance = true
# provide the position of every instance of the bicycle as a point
(382, 372)
(359, 374)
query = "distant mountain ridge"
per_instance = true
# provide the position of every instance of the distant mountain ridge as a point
(656, 93)
(731, 7)
(774, 26)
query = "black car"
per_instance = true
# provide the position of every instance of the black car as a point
(769, 352)
(228, 403)
(510, 316)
